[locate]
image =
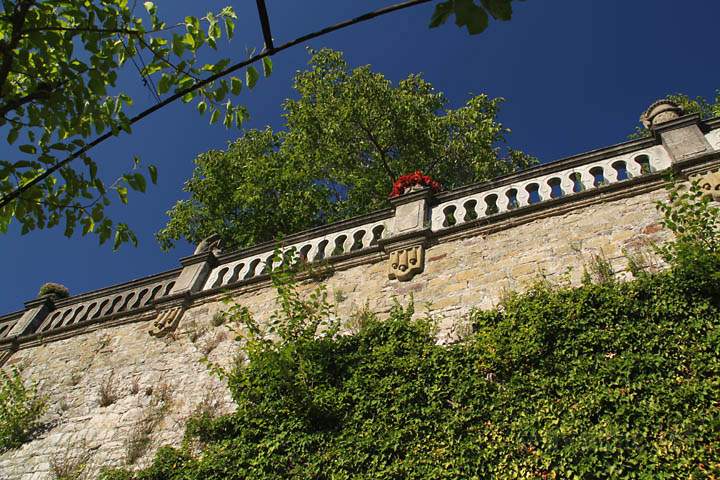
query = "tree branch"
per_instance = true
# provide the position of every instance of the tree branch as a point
(380, 150)
(6, 199)
(110, 31)
(44, 90)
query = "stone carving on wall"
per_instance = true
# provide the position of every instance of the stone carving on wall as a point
(166, 322)
(709, 182)
(407, 262)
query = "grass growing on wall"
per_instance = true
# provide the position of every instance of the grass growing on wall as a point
(609, 380)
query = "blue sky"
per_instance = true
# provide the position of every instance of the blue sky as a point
(576, 75)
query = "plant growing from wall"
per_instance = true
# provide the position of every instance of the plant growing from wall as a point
(20, 409)
(608, 380)
(55, 290)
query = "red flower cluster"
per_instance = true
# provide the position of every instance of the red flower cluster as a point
(412, 179)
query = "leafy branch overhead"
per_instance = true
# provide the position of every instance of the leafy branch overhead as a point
(59, 71)
(471, 15)
(59, 95)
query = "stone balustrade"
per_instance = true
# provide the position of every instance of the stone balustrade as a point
(7, 322)
(400, 234)
(526, 189)
(105, 305)
(324, 246)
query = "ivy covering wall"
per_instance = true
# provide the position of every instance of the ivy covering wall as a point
(607, 380)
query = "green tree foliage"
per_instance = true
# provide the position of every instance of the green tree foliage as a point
(20, 409)
(59, 64)
(349, 134)
(247, 193)
(614, 380)
(706, 109)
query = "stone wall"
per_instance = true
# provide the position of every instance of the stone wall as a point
(471, 271)
(117, 393)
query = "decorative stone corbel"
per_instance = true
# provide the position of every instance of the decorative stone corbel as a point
(166, 322)
(407, 262)
(709, 182)
(169, 310)
(409, 235)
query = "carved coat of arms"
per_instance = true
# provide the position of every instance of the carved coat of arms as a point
(709, 183)
(166, 322)
(405, 263)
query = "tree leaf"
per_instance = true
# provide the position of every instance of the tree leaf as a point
(152, 169)
(28, 149)
(267, 66)
(12, 135)
(123, 193)
(164, 83)
(235, 85)
(229, 26)
(214, 117)
(471, 16)
(140, 182)
(251, 76)
(499, 9)
(441, 13)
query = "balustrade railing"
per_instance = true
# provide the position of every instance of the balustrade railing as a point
(127, 300)
(517, 194)
(7, 322)
(316, 249)
(205, 273)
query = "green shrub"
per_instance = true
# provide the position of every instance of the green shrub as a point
(608, 380)
(20, 410)
(56, 290)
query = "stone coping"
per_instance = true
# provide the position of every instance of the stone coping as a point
(11, 316)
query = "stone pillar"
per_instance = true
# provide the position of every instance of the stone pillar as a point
(412, 212)
(680, 135)
(35, 312)
(409, 235)
(196, 269)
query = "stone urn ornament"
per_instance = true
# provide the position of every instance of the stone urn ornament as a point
(660, 112)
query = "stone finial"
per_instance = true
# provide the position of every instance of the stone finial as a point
(213, 243)
(660, 112)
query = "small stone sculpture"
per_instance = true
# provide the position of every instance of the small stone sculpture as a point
(660, 112)
(405, 263)
(709, 182)
(213, 243)
(166, 322)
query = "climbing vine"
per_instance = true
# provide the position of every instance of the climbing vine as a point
(607, 380)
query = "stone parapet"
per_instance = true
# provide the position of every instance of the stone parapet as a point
(399, 235)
